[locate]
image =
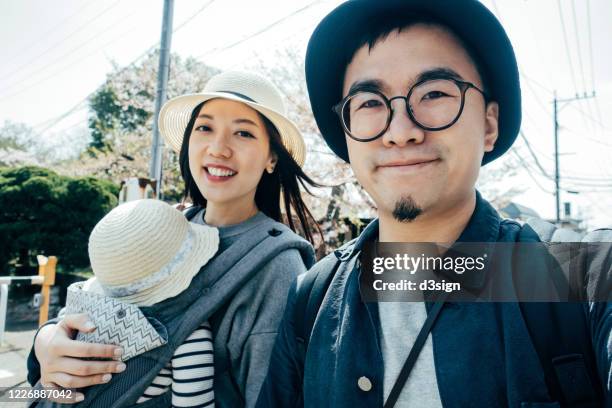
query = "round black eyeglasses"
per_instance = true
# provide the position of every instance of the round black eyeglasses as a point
(432, 104)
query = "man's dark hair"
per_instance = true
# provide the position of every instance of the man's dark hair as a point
(384, 25)
(286, 177)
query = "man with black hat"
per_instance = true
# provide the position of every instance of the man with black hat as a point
(417, 95)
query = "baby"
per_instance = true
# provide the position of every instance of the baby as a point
(142, 253)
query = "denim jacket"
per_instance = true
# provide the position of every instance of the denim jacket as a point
(483, 353)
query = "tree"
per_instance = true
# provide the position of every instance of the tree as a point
(499, 194)
(124, 104)
(121, 122)
(16, 144)
(45, 213)
(342, 197)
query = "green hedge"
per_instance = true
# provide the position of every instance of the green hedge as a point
(42, 212)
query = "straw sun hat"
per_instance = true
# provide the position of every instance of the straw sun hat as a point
(145, 251)
(248, 88)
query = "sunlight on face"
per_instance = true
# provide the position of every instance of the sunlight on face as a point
(229, 149)
(433, 169)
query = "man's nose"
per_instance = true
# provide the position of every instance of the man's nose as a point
(402, 129)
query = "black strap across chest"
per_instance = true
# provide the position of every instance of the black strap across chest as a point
(415, 351)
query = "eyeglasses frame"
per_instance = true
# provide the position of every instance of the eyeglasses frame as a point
(463, 87)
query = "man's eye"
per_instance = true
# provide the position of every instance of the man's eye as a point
(434, 95)
(246, 134)
(372, 103)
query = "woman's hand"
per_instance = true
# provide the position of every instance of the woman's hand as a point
(60, 356)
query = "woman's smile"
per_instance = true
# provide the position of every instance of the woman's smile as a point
(218, 173)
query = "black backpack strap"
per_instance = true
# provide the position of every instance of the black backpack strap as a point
(559, 333)
(310, 294)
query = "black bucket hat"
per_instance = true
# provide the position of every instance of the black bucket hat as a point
(470, 20)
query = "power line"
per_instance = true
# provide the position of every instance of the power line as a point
(567, 52)
(529, 172)
(569, 59)
(38, 55)
(540, 167)
(59, 118)
(530, 81)
(536, 38)
(583, 136)
(575, 180)
(586, 115)
(580, 63)
(590, 41)
(63, 68)
(535, 158)
(567, 186)
(591, 60)
(81, 45)
(55, 121)
(44, 35)
(522, 73)
(122, 35)
(586, 188)
(535, 94)
(261, 31)
(197, 13)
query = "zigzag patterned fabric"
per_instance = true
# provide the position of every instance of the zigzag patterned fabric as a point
(117, 323)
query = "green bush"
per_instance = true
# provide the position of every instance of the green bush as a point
(42, 212)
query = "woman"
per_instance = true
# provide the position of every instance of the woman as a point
(238, 151)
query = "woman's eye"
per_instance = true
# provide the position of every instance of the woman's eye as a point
(246, 134)
(203, 128)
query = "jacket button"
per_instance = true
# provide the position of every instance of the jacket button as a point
(120, 313)
(274, 232)
(364, 383)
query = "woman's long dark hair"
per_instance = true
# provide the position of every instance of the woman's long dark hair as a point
(286, 177)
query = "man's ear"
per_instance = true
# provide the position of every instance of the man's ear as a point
(491, 126)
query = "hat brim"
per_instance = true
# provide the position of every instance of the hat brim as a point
(175, 114)
(469, 20)
(204, 247)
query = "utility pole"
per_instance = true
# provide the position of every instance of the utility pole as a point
(557, 197)
(556, 111)
(155, 168)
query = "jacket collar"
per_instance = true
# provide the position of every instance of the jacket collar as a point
(483, 226)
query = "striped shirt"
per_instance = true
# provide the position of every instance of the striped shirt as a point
(189, 374)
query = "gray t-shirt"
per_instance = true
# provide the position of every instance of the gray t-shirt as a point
(400, 323)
